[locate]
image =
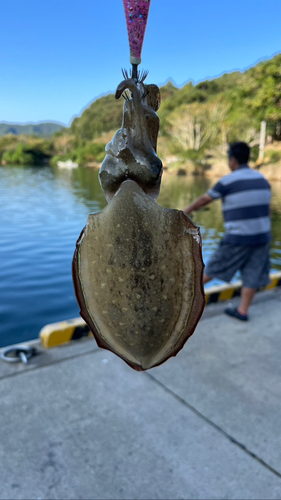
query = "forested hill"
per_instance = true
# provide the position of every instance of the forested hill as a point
(243, 100)
(40, 129)
(196, 122)
(105, 114)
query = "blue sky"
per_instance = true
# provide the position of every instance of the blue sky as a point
(57, 56)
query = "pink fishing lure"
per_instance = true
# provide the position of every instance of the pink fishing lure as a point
(136, 12)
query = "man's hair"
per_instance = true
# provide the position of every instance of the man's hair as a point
(240, 151)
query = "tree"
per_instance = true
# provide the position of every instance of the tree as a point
(196, 125)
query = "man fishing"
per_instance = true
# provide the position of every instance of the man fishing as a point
(245, 195)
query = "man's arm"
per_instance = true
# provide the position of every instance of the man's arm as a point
(200, 202)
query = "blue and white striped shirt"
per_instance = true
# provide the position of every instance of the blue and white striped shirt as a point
(245, 197)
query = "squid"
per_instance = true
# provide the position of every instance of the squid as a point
(137, 267)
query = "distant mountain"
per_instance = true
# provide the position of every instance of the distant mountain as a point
(39, 129)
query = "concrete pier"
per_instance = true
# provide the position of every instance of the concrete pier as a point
(77, 422)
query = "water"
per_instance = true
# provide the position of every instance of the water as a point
(43, 211)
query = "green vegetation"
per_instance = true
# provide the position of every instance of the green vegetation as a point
(273, 156)
(25, 150)
(197, 122)
(90, 152)
(206, 117)
(101, 116)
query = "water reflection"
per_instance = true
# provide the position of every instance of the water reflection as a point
(43, 211)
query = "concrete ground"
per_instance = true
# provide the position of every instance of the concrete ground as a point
(77, 422)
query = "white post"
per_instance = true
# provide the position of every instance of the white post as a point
(262, 141)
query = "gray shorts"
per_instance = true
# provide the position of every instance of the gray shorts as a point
(252, 262)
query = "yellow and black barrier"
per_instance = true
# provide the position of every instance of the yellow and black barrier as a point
(219, 293)
(74, 329)
(64, 331)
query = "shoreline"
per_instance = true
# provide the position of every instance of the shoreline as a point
(271, 171)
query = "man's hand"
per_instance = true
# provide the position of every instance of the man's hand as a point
(200, 202)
